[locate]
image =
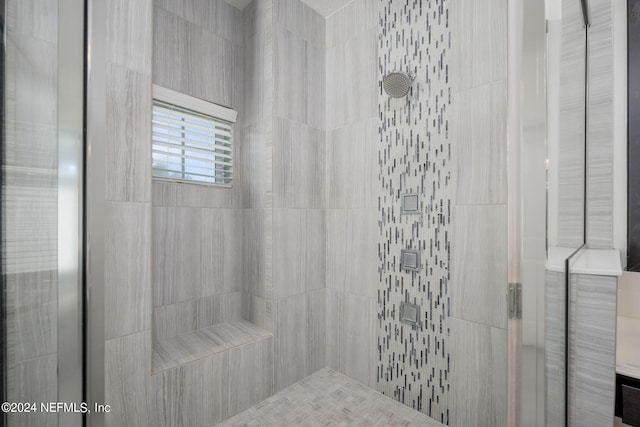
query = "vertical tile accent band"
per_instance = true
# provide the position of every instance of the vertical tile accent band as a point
(414, 156)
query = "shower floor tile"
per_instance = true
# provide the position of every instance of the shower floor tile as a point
(328, 398)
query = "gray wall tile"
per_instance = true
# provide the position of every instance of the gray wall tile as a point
(600, 128)
(289, 252)
(289, 72)
(258, 311)
(354, 18)
(129, 42)
(128, 162)
(479, 267)
(291, 352)
(481, 43)
(299, 234)
(478, 375)
(352, 257)
(127, 268)
(253, 252)
(186, 53)
(221, 263)
(195, 393)
(250, 375)
(316, 330)
(352, 165)
(298, 165)
(481, 140)
(357, 339)
(176, 254)
(299, 337)
(128, 383)
(352, 80)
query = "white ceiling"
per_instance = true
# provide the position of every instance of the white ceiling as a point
(323, 7)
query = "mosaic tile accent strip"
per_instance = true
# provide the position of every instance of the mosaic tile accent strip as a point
(415, 157)
(328, 398)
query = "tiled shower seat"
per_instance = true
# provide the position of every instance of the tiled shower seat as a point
(184, 348)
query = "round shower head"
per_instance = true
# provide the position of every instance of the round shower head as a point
(396, 84)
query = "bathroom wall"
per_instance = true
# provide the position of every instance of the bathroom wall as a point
(415, 156)
(479, 243)
(193, 222)
(30, 206)
(198, 230)
(463, 232)
(274, 214)
(297, 218)
(351, 190)
(600, 133)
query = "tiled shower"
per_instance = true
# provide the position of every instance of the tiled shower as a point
(216, 298)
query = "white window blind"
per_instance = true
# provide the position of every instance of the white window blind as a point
(190, 144)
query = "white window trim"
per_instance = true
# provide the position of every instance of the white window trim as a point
(189, 102)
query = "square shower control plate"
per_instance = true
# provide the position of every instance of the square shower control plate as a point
(410, 260)
(410, 313)
(410, 204)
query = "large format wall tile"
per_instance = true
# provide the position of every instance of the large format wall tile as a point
(216, 16)
(291, 353)
(593, 396)
(222, 237)
(168, 52)
(300, 20)
(191, 59)
(554, 344)
(289, 76)
(481, 140)
(300, 329)
(480, 30)
(289, 259)
(298, 165)
(176, 254)
(352, 261)
(600, 127)
(352, 20)
(128, 146)
(127, 268)
(253, 252)
(478, 375)
(195, 394)
(479, 267)
(352, 80)
(252, 168)
(298, 251)
(250, 375)
(128, 382)
(129, 42)
(351, 165)
(357, 338)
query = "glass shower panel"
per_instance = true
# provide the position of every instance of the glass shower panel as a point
(41, 208)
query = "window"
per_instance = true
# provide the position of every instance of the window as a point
(192, 139)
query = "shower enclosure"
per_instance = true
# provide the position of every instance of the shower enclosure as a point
(392, 163)
(42, 209)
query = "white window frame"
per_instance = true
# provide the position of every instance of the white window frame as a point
(198, 107)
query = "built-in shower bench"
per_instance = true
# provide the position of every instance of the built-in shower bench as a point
(188, 347)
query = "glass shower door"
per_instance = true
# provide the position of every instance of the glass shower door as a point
(41, 211)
